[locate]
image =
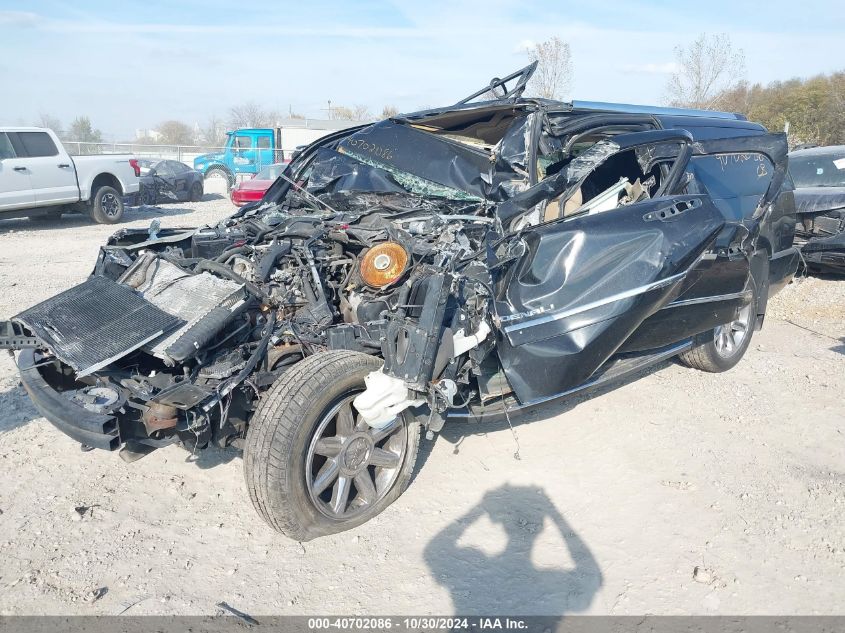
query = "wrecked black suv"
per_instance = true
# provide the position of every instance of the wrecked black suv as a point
(457, 263)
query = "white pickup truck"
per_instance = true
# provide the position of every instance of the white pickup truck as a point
(38, 178)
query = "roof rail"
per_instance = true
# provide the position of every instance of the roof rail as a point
(659, 110)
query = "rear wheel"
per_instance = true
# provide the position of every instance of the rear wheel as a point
(149, 196)
(721, 348)
(107, 205)
(312, 466)
(196, 192)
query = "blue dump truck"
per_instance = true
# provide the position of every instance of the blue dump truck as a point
(247, 151)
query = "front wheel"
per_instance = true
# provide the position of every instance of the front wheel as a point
(312, 466)
(721, 348)
(107, 205)
(219, 172)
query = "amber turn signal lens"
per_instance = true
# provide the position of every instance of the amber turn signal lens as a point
(383, 264)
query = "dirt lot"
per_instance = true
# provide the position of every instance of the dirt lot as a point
(681, 492)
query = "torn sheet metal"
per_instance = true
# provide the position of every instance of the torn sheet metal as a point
(583, 286)
(820, 228)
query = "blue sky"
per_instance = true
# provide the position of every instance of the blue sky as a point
(132, 65)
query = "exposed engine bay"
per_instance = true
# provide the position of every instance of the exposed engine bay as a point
(223, 311)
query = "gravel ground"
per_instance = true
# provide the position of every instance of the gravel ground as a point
(680, 492)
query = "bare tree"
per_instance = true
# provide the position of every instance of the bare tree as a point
(355, 113)
(251, 114)
(708, 68)
(51, 123)
(553, 77)
(213, 133)
(175, 133)
(389, 111)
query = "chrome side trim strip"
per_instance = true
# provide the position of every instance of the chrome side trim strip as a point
(710, 299)
(792, 250)
(563, 314)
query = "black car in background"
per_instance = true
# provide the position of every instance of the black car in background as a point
(818, 174)
(169, 181)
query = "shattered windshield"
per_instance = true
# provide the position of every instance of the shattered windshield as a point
(393, 157)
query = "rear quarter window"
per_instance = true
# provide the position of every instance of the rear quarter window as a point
(6, 149)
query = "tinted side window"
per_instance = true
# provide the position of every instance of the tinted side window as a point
(243, 142)
(263, 142)
(177, 167)
(735, 182)
(37, 144)
(6, 149)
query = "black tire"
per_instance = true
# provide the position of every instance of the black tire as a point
(710, 355)
(149, 196)
(283, 437)
(196, 192)
(107, 205)
(220, 172)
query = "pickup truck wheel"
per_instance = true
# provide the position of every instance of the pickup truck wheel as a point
(721, 348)
(196, 192)
(107, 205)
(217, 172)
(312, 467)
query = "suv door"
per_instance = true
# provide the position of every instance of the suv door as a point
(575, 288)
(15, 185)
(52, 173)
(743, 177)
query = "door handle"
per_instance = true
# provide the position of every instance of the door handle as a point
(64, 165)
(19, 168)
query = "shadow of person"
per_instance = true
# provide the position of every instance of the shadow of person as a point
(508, 583)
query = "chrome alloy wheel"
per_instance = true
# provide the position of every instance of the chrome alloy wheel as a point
(350, 466)
(728, 338)
(110, 204)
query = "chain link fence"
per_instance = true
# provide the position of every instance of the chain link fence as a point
(182, 153)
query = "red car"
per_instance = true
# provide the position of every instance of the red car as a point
(253, 189)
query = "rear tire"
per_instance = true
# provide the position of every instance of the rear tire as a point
(721, 348)
(196, 192)
(312, 467)
(149, 196)
(219, 172)
(107, 205)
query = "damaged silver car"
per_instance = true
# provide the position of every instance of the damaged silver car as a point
(460, 263)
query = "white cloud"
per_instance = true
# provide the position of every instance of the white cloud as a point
(524, 45)
(19, 18)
